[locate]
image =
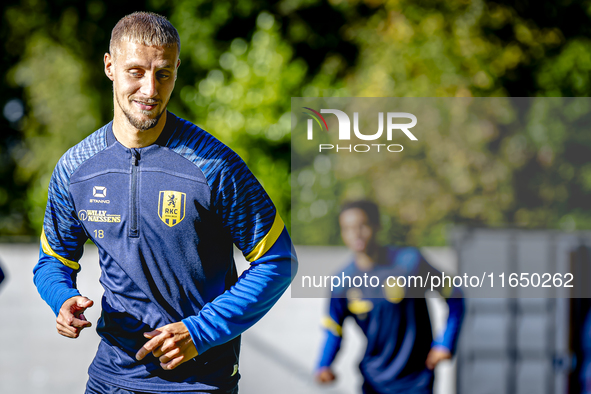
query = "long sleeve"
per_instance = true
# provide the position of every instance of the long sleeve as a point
(251, 220)
(449, 337)
(255, 292)
(333, 327)
(62, 243)
(55, 281)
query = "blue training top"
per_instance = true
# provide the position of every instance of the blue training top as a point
(397, 327)
(164, 219)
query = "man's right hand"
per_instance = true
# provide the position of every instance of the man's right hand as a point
(325, 375)
(71, 320)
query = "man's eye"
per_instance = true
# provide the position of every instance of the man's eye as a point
(163, 76)
(135, 74)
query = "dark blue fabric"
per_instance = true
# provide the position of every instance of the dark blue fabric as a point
(95, 386)
(164, 219)
(421, 385)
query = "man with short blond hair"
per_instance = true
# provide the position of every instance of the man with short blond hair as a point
(144, 28)
(164, 201)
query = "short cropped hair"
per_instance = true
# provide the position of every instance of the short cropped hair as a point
(369, 207)
(146, 28)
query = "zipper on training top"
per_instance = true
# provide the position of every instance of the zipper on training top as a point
(133, 226)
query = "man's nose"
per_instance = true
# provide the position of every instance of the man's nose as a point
(148, 88)
(357, 232)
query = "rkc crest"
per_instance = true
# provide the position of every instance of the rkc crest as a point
(171, 207)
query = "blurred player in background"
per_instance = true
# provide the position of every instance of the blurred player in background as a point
(164, 201)
(401, 353)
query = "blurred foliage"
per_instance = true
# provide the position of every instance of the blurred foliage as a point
(242, 61)
(531, 172)
(478, 161)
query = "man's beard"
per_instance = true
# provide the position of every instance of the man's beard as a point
(142, 125)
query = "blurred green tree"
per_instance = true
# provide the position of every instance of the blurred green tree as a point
(242, 61)
(531, 173)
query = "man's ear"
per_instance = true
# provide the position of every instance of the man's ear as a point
(109, 65)
(178, 63)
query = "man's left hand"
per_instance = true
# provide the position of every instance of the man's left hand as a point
(436, 355)
(171, 344)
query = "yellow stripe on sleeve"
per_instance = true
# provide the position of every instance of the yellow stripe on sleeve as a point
(268, 241)
(48, 251)
(332, 326)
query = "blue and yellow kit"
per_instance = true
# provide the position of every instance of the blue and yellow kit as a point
(164, 219)
(395, 321)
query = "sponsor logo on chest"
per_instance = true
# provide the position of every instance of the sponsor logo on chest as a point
(94, 215)
(99, 192)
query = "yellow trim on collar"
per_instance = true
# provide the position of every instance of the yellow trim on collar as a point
(268, 241)
(48, 251)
